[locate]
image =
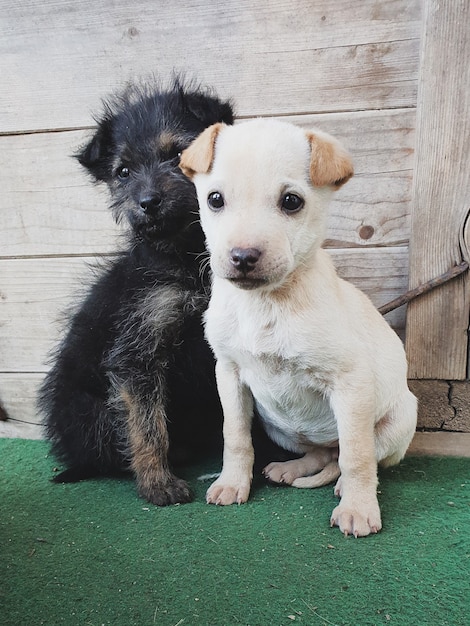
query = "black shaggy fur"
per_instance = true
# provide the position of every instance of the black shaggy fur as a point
(132, 383)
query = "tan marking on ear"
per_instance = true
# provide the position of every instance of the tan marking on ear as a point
(330, 164)
(198, 157)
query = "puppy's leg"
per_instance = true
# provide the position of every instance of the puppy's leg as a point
(358, 512)
(234, 482)
(313, 462)
(394, 432)
(149, 443)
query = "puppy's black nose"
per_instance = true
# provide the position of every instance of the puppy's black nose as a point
(244, 259)
(150, 204)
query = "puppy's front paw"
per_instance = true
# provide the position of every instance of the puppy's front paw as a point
(224, 492)
(359, 521)
(172, 491)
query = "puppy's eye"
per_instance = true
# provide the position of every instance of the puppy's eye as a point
(123, 172)
(215, 200)
(291, 203)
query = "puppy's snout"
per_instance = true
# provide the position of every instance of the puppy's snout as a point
(151, 203)
(244, 259)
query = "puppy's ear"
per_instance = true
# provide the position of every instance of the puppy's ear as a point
(330, 164)
(202, 103)
(198, 157)
(208, 109)
(96, 155)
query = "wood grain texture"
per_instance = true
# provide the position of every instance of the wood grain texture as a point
(35, 294)
(373, 209)
(13, 429)
(18, 394)
(26, 421)
(275, 57)
(382, 274)
(48, 205)
(437, 329)
(440, 444)
(351, 69)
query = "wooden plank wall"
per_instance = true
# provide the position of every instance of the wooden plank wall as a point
(349, 67)
(438, 325)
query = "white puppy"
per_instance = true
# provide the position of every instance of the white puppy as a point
(290, 337)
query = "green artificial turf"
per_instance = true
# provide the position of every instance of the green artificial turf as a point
(93, 553)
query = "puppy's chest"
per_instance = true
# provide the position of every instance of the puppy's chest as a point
(274, 353)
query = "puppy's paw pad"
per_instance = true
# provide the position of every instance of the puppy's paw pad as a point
(227, 494)
(359, 523)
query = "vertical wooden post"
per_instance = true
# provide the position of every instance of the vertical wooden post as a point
(437, 323)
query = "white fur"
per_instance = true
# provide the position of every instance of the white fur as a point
(307, 348)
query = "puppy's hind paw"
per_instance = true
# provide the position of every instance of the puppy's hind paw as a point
(174, 491)
(279, 473)
(223, 494)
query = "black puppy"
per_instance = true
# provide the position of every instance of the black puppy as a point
(132, 383)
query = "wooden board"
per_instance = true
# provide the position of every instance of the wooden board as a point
(49, 206)
(350, 68)
(382, 273)
(373, 209)
(18, 397)
(34, 295)
(437, 330)
(440, 444)
(273, 57)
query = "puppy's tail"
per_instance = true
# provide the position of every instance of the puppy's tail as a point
(327, 475)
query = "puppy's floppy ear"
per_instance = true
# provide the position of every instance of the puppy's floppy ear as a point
(330, 164)
(96, 156)
(198, 157)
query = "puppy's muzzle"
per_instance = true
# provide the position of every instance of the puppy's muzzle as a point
(245, 266)
(244, 260)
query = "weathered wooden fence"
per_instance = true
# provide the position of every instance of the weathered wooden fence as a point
(351, 68)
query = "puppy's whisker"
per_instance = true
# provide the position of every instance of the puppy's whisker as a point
(204, 269)
(194, 223)
(203, 255)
